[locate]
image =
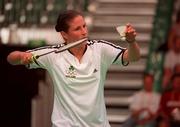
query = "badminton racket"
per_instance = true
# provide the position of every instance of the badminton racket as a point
(61, 49)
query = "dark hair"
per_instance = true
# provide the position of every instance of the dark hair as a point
(64, 18)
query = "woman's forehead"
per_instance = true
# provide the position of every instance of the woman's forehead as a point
(76, 20)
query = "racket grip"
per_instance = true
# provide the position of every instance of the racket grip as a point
(34, 57)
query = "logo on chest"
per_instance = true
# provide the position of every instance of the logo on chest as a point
(71, 72)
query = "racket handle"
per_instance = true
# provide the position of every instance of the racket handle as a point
(34, 57)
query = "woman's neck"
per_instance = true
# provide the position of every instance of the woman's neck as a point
(78, 51)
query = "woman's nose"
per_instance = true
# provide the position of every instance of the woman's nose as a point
(84, 31)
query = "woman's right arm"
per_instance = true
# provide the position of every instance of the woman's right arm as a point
(19, 58)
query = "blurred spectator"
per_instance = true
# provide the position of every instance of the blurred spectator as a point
(175, 31)
(75, 5)
(172, 59)
(144, 105)
(177, 69)
(81, 5)
(162, 122)
(170, 103)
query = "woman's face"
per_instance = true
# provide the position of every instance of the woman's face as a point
(77, 30)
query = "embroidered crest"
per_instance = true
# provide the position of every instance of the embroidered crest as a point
(71, 72)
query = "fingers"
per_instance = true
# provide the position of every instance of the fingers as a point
(26, 59)
(130, 29)
(130, 32)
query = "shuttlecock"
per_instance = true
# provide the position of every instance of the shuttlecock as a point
(121, 30)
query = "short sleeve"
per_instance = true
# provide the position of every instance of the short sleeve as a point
(111, 53)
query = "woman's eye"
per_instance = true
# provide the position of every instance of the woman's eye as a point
(77, 28)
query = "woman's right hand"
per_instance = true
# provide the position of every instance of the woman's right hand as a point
(19, 58)
(26, 58)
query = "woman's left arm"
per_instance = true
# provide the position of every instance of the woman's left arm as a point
(133, 51)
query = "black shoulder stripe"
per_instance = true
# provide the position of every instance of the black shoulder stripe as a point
(111, 44)
(46, 47)
(91, 42)
(123, 62)
(117, 56)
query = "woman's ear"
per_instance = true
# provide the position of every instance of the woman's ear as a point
(64, 35)
(61, 37)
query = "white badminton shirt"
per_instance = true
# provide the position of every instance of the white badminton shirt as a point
(79, 86)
